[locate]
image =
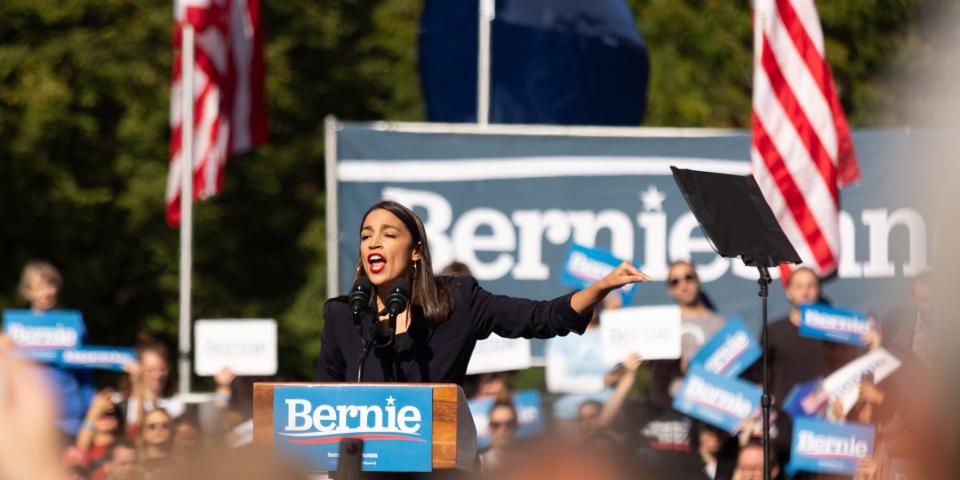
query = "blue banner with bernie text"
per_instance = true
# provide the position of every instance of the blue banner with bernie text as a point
(825, 447)
(395, 423)
(718, 400)
(92, 356)
(42, 335)
(729, 351)
(833, 324)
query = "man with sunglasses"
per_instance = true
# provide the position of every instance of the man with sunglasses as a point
(503, 428)
(698, 323)
(662, 436)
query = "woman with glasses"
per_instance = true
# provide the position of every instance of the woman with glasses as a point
(433, 337)
(156, 439)
(502, 429)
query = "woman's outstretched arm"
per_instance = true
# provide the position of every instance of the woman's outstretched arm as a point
(584, 300)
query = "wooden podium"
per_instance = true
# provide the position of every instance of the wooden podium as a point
(453, 435)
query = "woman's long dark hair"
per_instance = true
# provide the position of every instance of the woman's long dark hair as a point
(432, 296)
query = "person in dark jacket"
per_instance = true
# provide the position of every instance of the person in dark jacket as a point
(436, 334)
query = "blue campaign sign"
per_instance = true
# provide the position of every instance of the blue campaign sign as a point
(529, 409)
(729, 351)
(825, 447)
(395, 423)
(39, 335)
(91, 356)
(833, 324)
(716, 399)
(583, 266)
(807, 400)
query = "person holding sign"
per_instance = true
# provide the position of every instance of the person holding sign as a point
(424, 328)
(698, 322)
(794, 359)
(40, 286)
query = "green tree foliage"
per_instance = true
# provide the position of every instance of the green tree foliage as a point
(84, 106)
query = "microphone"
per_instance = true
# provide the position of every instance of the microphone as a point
(359, 298)
(399, 296)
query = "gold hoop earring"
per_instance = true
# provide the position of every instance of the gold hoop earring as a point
(357, 273)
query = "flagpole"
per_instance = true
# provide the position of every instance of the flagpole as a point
(186, 203)
(487, 12)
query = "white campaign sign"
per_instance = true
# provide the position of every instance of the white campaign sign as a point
(498, 354)
(845, 383)
(247, 346)
(651, 332)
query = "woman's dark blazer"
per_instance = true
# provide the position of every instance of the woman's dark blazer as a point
(439, 354)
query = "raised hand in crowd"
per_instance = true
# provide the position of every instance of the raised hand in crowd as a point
(873, 338)
(627, 376)
(751, 428)
(870, 393)
(28, 435)
(135, 374)
(867, 469)
(224, 379)
(835, 410)
(102, 404)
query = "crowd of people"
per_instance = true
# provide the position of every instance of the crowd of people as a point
(661, 442)
(133, 426)
(140, 427)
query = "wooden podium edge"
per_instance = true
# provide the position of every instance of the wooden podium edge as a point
(444, 427)
(263, 415)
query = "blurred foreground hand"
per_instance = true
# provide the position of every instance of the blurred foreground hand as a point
(28, 434)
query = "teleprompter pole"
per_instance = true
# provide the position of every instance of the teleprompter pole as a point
(764, 281)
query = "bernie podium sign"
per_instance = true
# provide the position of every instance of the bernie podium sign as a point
(404, 427)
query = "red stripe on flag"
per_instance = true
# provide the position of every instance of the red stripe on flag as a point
(221, 42)
(805, 47)
(792, 195)
(794, 111)
(848, 170)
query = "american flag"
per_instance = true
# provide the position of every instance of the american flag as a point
(228, 90)
(801, 154)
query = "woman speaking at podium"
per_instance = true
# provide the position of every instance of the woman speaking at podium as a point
(403, 324)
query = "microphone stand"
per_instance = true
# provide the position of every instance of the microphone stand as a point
(392, 323)
(367, 344)
(764, 281)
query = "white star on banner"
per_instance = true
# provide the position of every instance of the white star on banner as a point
(390, 400)
(652, 199)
